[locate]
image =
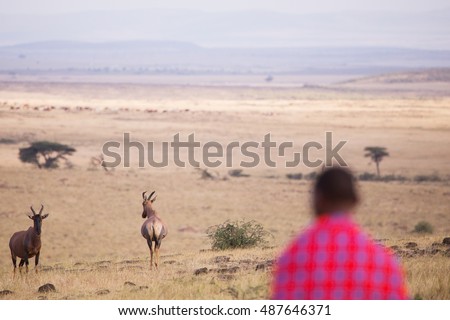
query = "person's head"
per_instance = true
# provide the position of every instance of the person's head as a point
(334, 191)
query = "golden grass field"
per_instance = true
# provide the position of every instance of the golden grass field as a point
(92, 246)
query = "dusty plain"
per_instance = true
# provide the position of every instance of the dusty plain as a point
(92, 247)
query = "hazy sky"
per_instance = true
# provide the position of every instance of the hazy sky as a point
(307, 6)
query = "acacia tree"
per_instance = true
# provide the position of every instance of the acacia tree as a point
(376, 154)
(45, 154)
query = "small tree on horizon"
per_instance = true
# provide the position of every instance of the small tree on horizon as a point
(45, 154)
(376, 154)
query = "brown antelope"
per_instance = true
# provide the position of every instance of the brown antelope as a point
(27, 244)
(153, 229)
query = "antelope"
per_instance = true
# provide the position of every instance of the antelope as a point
(27, 244)
(153, 229)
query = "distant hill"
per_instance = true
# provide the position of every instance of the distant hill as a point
(112, 45)
(429, 75)
(182, 57)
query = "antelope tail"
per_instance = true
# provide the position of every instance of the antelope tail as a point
(153, 232)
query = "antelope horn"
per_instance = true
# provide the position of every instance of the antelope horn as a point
(32, 210)
(42, 208)
(143, 195)
(151, 194)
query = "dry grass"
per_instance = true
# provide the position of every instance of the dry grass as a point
(95, 216)
(131, 279)
(428, 278)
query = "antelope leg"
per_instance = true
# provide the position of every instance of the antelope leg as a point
(157, 246)
(14, 261)
(22, 261)
(150, 245)
(36, 261)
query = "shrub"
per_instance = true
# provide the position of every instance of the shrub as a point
(423, 227)
(294, 176)
(7, 141)
(311, 176)
(366, 176)
(206, 175)
(237, 173)
(237, 234)
(427, 178)
(392, 177)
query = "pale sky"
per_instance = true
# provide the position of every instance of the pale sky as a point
(294, 6)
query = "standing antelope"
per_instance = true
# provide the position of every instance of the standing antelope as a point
(27, 244)
(153, 228)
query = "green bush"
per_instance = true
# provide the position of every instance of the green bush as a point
(423, 227)
(237, 234)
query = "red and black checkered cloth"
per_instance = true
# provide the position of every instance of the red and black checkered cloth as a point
(334, 260)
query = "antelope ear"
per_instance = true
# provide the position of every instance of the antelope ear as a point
(30, 217)
(45, 216)
(151, 195)
(153, 200)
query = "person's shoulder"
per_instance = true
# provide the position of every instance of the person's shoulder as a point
(383, 255)
(299, 243)
(389, 255)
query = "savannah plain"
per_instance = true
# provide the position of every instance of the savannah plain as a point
(91, 243)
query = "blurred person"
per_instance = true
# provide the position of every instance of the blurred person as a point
(333, 259)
